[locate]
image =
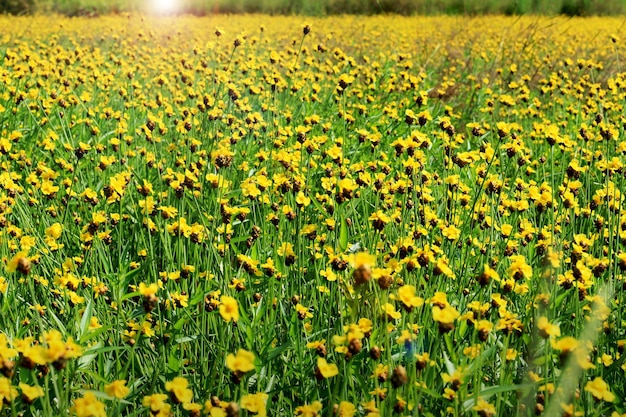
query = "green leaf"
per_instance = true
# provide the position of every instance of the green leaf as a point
(449, 365)
(88, 357)
(318, 205)
(254, 253)
(196, 299)
(186, 339)
(173, 363)
(91, 354)
(85, 320)
(95, 376)
(179, 324)
(561, 298)
(343, 235)
(59, 323)
(90, 335)
(362, 381)
(463, 328)
(496, 389)
(429, 392)
(130, 295)
(278, 350)
(129, 275)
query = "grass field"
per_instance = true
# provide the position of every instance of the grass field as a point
(344, 216)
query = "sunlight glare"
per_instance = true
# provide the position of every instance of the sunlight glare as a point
(164, 6)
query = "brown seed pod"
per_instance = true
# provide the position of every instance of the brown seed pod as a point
(232, 410)
(362, 275)
(399, 376)
(24, 266)
(385, 282)
(375, 352)
(355, 346)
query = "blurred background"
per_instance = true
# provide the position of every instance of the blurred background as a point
(319, 7)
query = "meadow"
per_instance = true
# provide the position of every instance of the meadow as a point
(343, 216)
(322, 7)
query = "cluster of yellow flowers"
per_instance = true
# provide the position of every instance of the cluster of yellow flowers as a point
(355, 216)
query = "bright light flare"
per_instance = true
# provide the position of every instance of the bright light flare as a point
(164, 6)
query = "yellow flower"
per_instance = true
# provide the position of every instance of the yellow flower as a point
(302, 200)
(255, 403)
(88, 406)
(546, 329)
(117, 389)
(449, 394)
(48, 188)
(519, 269)
(600, 390)
(506, 229)
(406, 294)
(445, 315)
(309, 410)
(405, 336)
(379, 219)
(511, 354)
(484, 408)
(179, 391)
(326, 370)
(7, 391)
(19, 262)
(148, 290)
(451, 232)
(193, 408)
(565, 344)
(30, 394)
(303, 312)
(391, 312)
(243, 362)
(229, 309)
(346, 409)
(94, 323)
(156, 402)
(317, 344)
(362, 260)
(54, 231)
